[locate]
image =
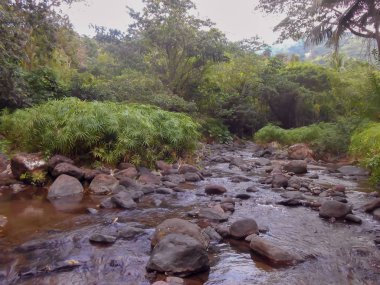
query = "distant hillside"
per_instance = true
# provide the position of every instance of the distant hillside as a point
(351, 47)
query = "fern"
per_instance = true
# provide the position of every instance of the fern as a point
(110, 132)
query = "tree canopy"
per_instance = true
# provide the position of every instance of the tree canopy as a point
(318, 21)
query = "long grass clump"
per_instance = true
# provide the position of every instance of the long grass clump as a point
(365, 146)
(332, 138)
(110, 132)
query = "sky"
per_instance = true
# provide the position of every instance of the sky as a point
(236, 18)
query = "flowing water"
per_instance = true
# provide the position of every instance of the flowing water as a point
(48, 243)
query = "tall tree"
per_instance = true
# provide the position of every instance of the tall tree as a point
(321, 20)
(179, 45)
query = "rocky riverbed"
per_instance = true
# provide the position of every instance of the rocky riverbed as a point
(245, 215)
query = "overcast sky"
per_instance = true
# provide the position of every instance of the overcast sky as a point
(236, 18)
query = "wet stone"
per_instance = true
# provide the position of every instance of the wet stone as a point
(243, 196)
(243, 228)
(252, 189)
(100, 238)
(352, 218)
(214, 189)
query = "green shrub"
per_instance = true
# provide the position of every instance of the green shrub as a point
(109, 131)
(214, 131)
(365, 146)
(333, 138)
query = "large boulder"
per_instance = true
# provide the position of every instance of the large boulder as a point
(275, 254)
(65, 186)
(25, 165)
(351, 170)
(300, 151)
(243, 228)
(213, 189)
(178, 254)
(103, 184)
(296, 166)
(68, 169)
(334, 209)
(178, 226)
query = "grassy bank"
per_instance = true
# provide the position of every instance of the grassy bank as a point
(110, 132)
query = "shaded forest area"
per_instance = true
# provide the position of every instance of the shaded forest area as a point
(173, 60)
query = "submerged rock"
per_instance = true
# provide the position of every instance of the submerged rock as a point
(351, 170)
(275, 254)
(179, 254)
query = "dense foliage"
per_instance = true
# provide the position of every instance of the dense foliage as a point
(323, 138)
(172, 59)
(108, 131)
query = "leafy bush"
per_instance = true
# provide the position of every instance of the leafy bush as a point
(214, 131)
(365, 145)
(109, 131)
(333, 138)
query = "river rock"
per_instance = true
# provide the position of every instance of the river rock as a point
(100, 238)
(296, 166)
(279, 180)
(103, 184)
(352, 218)
(178, 226)
(174, 178)
(252, 189)
(130, 172)
(57, 159)
(213, 189)
(243, 228)
(172, 280)
(27, 163)
(163, 166)
(124, 200)
(89, 174)
(243, 196)
(186, 168)
(149, 178)
(261, 161)
(178, 254)
(3, 223)
(376, 214)
(212, 234)
(108, 203)
(164, 191)
(372, 205)
(68, 169)
(65, 186)
(275, 254)
(212, 214)
(192, 177)
(334, 209)
(300, 151)
(351, 170)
